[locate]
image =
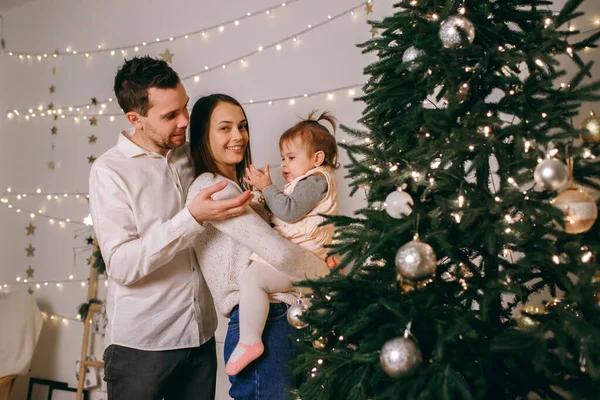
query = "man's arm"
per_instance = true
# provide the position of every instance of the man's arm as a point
(129, 256)
(307, 193)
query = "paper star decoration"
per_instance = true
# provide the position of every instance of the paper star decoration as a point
(51, 165)
(167, 56)
(55, 117)
(54, 130)
(51, 106)
(30, 251)
(92, 139)
(30, 271)
(91, 159)
(93, 121)
(369, 8)
(57, 52)
(52, 89)
(373, 31)
(30, 290)
(30, 229)
(89, 240)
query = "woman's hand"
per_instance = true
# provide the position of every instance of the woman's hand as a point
(257, 178)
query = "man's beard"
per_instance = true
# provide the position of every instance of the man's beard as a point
(156, 138)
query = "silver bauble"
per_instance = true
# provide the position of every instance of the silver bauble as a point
(454, 31)
(295, 314)
(410, 55)
(415, 261)
(551, 174)
(398, 204)
(591, 129)
(400, 356)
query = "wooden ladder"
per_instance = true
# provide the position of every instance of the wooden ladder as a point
(93, 308)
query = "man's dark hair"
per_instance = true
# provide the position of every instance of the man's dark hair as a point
(136, 76)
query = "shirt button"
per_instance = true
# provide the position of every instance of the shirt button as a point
(194, 269)
(195, 299)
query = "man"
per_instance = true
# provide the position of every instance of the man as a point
(161, 318)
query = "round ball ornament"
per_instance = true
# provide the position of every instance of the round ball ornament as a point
(456, 31)
(398, 204)
(415, 261)
(410, 56)
(591, 129)
(400, 356)
(320, 343)
(579, 208)
(295, 315)
(551, 174)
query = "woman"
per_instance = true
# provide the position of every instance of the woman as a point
(219, 139)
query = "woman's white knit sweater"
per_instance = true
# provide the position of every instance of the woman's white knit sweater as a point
(223, 249)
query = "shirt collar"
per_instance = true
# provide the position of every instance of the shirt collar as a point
(127, 147)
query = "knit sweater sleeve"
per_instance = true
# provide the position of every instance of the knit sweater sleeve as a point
(251, 231)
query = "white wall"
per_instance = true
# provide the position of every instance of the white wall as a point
(322, 59)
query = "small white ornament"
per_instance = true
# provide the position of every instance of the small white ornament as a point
(398, 204)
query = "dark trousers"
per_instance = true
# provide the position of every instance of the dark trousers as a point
(171, 374)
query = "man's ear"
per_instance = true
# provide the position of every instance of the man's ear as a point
(134, 119)
(318, 158)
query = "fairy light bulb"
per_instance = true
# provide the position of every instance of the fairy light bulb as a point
(587, 257)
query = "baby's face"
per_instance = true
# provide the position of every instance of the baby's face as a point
(295, 159)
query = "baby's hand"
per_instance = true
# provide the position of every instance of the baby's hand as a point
(257, 178)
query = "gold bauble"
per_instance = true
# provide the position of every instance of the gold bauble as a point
(591, 129)
(579, 208)
(524, 321)
(320, 343)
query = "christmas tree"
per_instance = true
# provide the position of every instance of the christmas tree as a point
(477, 185)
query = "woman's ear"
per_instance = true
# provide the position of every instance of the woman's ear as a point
(318, 158)
(134, 119)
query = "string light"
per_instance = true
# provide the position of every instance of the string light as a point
(290, 99)
(587, 257)
(236, 59)
(51, 219)
(99, 50)
(556, 259)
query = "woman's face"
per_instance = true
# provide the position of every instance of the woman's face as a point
(228, 135)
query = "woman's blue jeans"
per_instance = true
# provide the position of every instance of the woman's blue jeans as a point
(270, 376)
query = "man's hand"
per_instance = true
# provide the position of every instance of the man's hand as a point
(204, 208)
(333, 261)
(257, 178)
